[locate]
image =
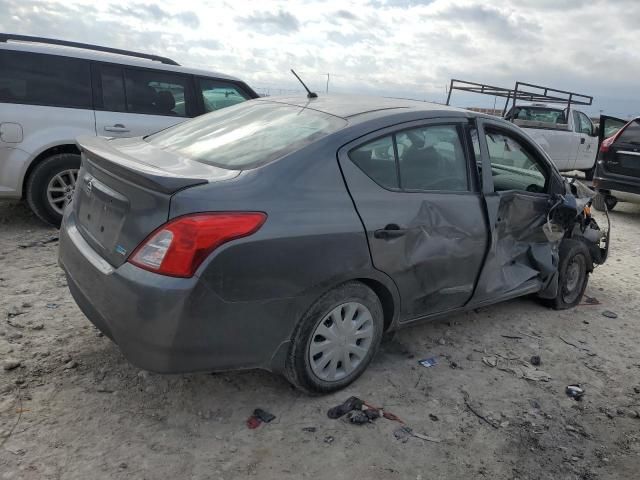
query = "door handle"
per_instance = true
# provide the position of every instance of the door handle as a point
(582, 140)
(390, 231)
(118, 127)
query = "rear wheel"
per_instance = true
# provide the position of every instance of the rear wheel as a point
(575, 265)
(336, 339)
(51, 185)
(604, 199)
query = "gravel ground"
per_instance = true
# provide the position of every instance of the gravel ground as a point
(71, 407)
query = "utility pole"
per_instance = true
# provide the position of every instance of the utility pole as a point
(327, 82)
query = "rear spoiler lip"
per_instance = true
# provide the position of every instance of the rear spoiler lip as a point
(109, 159)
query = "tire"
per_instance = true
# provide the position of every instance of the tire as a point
(603, 199)
(56, 172)
(575, 266)
(305, 371)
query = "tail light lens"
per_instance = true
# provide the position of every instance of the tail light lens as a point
(178, 247)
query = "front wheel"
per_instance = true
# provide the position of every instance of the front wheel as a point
(602, 200)
(51, 185)
(336, 339)
(573, 271)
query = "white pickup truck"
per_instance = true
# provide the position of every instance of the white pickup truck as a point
(568, 136)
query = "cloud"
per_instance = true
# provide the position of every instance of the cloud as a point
(271, 23)
(150, 11)
(392, 48)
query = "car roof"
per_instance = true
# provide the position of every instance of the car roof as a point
(350, 106)
(87, 54)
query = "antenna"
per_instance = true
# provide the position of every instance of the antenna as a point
(310, 94)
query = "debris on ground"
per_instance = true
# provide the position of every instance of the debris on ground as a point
(535, 360)
(309, 429)
(476, 411)
(590, 301)
(329, 439)
(263, 415)
(518, 367)
(357, 417)
(351, 403)
(428, 362)
(403, 433)
(433, 417)
(259, 417)
(39, 243)
(575, 391)
(610, 314)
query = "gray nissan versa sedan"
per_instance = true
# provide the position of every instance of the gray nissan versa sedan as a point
(290, 233)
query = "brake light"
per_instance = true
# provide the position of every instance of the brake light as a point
(178, 247)
(607, 142)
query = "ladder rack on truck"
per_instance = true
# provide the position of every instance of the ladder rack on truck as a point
(527, 92)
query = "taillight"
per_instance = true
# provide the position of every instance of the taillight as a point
(178, 247)
(607, 142)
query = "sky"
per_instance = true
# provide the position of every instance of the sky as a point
(399, 48)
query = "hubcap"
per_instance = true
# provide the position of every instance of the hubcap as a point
(60, 189)
(341, 341)
(574, 274)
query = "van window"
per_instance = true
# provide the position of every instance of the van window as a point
(48, 80)
(113, 99)
(156, 93)
(217, 94)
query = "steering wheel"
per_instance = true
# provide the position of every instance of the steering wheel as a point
(533, 188)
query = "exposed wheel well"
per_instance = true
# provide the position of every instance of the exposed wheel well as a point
(386, 299)
(67, 148)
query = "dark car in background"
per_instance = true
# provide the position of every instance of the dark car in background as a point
(618, 168)
(290, 233)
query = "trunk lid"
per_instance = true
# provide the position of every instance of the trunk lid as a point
(124, 191)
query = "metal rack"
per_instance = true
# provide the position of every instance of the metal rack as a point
(523, 91)
(6, 37)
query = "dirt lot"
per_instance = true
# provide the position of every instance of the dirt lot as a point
(75, 408)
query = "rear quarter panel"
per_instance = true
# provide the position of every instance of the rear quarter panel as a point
(311, 241)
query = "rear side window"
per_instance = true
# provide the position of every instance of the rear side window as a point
(247, 135)
(155, 93)
(47, 80)
(432, 158)
(378, 161)
(113, 98)
(217, 94)
(429, 158)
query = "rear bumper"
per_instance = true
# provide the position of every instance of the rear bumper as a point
(601, 182)
(172, 325)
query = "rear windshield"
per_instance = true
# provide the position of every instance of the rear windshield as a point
(247, 135)
(538, 114)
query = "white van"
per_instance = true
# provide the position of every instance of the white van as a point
(51, 91)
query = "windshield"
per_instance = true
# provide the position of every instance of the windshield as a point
(539, 114)
(247, 135)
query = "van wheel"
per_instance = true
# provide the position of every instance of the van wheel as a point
(603, 199)
(51, 185)
(336, 339)
(574, 268)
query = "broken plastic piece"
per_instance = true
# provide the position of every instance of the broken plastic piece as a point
(352, 403)
(263, 415)
(575, 391)
(428, 362)
(610, 314)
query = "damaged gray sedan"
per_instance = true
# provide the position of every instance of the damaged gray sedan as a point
(289, 234)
